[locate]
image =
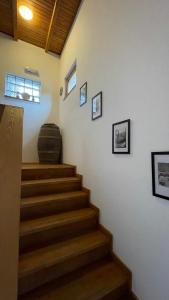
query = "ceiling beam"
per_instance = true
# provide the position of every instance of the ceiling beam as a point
(51, 25)
(14, 17)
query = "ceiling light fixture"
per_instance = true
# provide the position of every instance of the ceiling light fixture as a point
(25, 12)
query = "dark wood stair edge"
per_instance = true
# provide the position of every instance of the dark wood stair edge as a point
(131, 296)
(96, 215)
(53, 180)
(134, 297)
(84, 189)
(116, 258)
(80, 177)
(25, 167)
(73, 166)
(101, 227)
(37, 163)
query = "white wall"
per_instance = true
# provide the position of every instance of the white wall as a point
(122, 48)
(14, 56)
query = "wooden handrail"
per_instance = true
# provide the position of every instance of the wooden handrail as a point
(11, 120)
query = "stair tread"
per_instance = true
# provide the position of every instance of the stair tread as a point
(50, 180)
(45, 166)
(59, 252)
(130, 297)
(92, 283)
(58, 220)
(127, 298)
(38, 200)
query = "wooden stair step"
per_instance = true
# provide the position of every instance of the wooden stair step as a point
(40, 206)
(42, 231)
(50, 186)
(102, 280)
(43, 265)
(46, 171)
(128, 298)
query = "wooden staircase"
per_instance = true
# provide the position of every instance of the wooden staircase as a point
(65, 254)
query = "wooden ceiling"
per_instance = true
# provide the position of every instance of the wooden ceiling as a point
(50, 26)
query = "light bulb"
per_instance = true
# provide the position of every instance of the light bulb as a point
(25, 12)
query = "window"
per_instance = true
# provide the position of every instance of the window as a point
(70, 81)
(22, 88)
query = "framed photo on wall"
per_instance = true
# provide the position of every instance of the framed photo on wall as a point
(83, 94)
(121, 137)
(160, 174)
(97, 106)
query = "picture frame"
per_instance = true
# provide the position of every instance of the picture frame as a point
(83, 94)
(97, 106)
(160, 174)
(121, 137)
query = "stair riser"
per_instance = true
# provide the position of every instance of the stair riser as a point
(49, 188)
(117, 293)
(47, 237)
(32, 281)
(54, 207)
(34, 174)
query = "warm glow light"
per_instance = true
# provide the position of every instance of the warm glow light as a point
(25, 12)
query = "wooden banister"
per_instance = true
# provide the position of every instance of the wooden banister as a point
(11, 120)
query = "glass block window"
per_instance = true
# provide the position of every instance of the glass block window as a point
(22, 88)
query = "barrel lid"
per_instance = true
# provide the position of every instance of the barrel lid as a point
(50, 125)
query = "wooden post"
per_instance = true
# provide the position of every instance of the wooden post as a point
(10, 185)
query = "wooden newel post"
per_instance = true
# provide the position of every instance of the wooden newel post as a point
(11, 123)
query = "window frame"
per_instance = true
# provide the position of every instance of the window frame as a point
(24, 86)
(68, 77)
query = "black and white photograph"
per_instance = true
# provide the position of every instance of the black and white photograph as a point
(160, 174)
(83, 94)
(121, 137)
(97, 106)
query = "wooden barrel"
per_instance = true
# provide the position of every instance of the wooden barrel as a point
(50, 144)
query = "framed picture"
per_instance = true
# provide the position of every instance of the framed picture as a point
(83, 94)
(160, 174)
(97, 106)
(121, 137)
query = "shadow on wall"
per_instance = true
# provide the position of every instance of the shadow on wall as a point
(29, 151)
(35, 115)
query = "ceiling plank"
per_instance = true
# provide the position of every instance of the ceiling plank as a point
(14, 16)
(51, 25)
